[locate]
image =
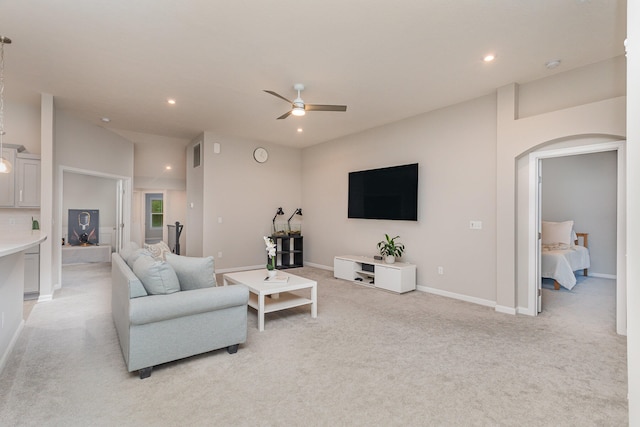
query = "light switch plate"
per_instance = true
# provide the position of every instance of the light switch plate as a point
(475, 225)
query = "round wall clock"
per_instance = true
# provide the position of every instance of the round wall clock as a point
(260, 154)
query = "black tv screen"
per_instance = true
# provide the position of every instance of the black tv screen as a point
(386, 193)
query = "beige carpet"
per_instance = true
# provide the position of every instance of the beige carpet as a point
(370, 358)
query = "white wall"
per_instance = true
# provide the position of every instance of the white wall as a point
(583, 188)
(455, 149)
(633, 206)
(238, 199)
(519, 136)
(22, 123)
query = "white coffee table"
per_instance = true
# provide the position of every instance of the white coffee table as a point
(258, 290)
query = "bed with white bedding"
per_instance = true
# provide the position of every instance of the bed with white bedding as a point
(562, 254)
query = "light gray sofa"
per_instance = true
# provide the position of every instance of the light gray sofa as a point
(155, 329)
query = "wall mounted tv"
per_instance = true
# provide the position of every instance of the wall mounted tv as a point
(386, 193)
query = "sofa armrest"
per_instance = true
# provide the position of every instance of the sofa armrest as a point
(155, 308)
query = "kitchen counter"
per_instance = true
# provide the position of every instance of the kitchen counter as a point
(13, 245)
(13, 242)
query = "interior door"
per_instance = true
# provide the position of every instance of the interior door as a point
(539, 234)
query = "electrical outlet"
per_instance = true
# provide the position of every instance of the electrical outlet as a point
(441, 270)
(12, 221)
(219, 254)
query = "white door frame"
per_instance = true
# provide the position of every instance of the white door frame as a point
(123, 209)
(621, 221)
(143, 213)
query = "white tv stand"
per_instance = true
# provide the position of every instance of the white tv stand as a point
(398, 277)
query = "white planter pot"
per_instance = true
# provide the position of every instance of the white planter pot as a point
(390, 259)
(272, 273)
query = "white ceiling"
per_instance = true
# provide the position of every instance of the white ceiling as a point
(386, 60)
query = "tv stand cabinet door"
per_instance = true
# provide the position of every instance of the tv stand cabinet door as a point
(396, 279)
(343, 269)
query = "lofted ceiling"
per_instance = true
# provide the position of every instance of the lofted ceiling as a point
(385, 60)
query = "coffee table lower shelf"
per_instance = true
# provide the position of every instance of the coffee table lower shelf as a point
(284, 301)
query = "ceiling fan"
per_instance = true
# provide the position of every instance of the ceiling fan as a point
(299, 108)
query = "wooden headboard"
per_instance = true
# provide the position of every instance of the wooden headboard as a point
(585, 240)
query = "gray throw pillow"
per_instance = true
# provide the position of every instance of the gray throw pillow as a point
(193, 272)
(131, 259)
(157, 277)
(128, 249)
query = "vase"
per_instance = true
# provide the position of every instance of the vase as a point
(390, 259)
(272, 273)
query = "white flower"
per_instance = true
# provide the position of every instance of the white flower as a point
(271, 247)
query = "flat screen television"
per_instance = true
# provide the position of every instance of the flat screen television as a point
(385, 193)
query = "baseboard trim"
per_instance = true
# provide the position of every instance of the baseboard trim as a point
(603, 276)
(320, 266)
(440, 292)
(234, 269)
(12, 344)
(506, 310)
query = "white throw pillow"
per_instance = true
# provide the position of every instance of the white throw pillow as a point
(157, 277)
(193, 272)
(557, 232)
(158, 250)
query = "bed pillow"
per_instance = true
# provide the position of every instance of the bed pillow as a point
(557, 232)
(157, 277)
(193, 272)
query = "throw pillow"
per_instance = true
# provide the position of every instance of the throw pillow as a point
(128, 249)
(193, 272)
(158, 250)
(131, 260)
(157, 277)
(556, 232)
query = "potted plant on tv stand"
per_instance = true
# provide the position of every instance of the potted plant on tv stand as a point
(390, 249)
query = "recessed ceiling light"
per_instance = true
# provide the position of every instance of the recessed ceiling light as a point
(299, 130)
(488, 58)
(554, 63)
(171, 101)
(168, 167)
(105, 119)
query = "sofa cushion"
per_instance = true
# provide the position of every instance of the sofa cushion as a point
(128, 249)
(193, 272)
(157, 277)
(137, 254)
(158, 250)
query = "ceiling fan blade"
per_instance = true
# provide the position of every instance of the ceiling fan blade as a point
(316, 107)
(285, 115)
(279, 96)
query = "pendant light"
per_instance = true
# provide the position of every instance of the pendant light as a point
(5, 165)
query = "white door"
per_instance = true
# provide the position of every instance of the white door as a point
(539, 236)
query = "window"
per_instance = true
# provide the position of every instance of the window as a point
(196, 155)
(157, 213)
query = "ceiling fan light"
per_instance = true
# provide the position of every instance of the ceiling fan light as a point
(298, 111)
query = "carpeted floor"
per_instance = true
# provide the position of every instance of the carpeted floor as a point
(370, 358)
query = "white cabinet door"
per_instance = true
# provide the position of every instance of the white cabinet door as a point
(388, 278)
(343, 269)
(28, 175)
(31, 273)
(7, 181)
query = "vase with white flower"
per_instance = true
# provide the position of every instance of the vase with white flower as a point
(271, 256)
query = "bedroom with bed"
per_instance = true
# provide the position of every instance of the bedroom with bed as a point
(578, 220)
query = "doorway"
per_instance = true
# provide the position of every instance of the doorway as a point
(535, 160)
(154, 218)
